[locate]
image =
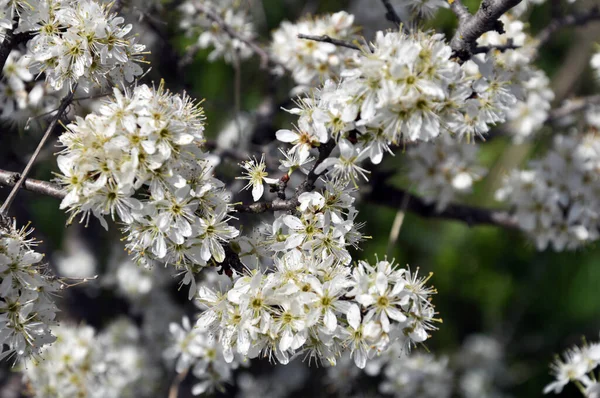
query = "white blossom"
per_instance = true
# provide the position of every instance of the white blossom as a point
(27, 308)
(256, 174)
(148, 141)
(79, 42)
(314, 308)
(442, 169)
(555, 200)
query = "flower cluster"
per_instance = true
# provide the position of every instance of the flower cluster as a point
(443, 168)
(476, 370)
(319, 309)
(530, 114)
(78, 42)
(406, 89)
(8, 10)
(19, 98)
(197, 349)
(323, 227)
(313, 62)
(82, 363)
(577, 366)
(140, 159)
(27, 309)
(256, 175)
(15, 75)
(481, 367)
(421, 375)
(592, 116)
(556, 199)
(534, 93)
(211, 34)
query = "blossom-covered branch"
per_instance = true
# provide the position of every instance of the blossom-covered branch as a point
(266, 60)
(381, 194)
(327, 39)
(471, 27)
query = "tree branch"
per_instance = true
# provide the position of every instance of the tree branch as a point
(385, 195)
(5, 48)
(572, 106)
(265, 59)
(471, 27)
(306, 186)
(484, 49)
(381, 194)
(460, 10)
(11, 41)
(391, 14)
(10, 179)
(61, 109)
(575, 19)
(327, 39)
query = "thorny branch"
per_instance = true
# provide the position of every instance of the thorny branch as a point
(471, 27)
(575, 19)
(66, 101)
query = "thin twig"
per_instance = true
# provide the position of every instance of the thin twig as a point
(61, 109)
(174, 389)
(327, 39)
(484, 49)
(281, 186)
(397, 225)
(575, 19)
(391, 13)
(387, 195)
(237, 93)
(572, 106)
(265, 59)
